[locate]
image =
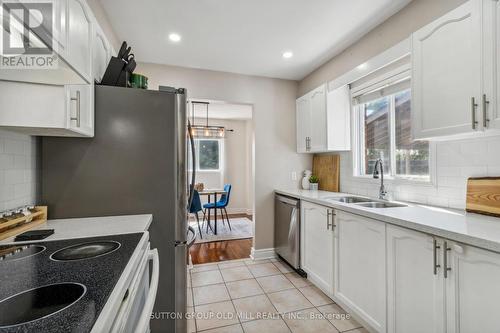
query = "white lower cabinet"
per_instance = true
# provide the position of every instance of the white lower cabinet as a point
(317, 245)
(435, 285)
(472, 290)
(415, 287)
(360, 275)
(398, 280)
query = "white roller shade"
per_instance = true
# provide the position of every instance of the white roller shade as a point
(382, 82)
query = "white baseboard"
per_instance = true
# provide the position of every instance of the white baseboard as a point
(262, 253)
(239, 211)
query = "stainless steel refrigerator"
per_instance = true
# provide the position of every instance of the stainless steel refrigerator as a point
(135, 164)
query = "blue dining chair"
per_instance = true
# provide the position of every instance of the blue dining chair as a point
(195, 208)
(221, 204)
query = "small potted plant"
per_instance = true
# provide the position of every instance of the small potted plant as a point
(313, 182)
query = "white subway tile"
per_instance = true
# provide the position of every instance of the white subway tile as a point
(14, 147)
(18, 170)
(478, 171)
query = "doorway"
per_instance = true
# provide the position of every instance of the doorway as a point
(224, 165)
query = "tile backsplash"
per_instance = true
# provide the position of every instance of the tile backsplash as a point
(455, 162)
(19, 170)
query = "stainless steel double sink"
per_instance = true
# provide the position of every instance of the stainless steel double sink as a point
(365, 202)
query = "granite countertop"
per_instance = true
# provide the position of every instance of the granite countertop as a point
(92, 227)
(467, 228)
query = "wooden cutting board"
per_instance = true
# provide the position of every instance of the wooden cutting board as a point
(327, 168)
(483, 195)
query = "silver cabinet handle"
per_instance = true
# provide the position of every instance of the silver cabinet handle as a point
(308, 143)
(486, 120)
(328, 214)
(330, 219)
(473, 106)
(78, 111)
(446, 249)
(435, 264)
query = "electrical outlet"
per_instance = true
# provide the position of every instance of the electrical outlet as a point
(294, 175)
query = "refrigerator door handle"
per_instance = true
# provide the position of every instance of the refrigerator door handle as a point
(193, 165)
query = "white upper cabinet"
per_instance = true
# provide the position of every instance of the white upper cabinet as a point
(317, 244)
(318, 129)
(360, 270)
(490, 101)
(303, 105)
(414, 282)
(101, 54)
(456, 73)
(80, 109)
(65, 107)
(79, 38)
(446, 74)
(472, 289)
(49, 111)
(323, 120)
(69, 39)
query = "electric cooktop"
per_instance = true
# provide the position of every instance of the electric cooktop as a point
(60, 286)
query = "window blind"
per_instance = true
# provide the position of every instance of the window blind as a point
(382, 82)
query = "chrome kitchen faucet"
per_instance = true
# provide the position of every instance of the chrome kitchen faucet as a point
(382, 192)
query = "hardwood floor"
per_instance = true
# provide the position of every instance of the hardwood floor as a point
(219, 251)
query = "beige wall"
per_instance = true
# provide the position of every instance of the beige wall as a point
(273, 123)
(393, 30)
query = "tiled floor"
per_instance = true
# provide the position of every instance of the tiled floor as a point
(246, 296)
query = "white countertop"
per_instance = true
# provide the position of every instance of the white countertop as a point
(92, 227)
(468, 228)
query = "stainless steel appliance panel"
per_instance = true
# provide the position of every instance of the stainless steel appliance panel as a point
(133, 165)
(287, 229)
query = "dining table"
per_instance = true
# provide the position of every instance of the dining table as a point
(212, 193)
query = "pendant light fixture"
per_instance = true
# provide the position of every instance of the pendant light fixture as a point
(206, 131)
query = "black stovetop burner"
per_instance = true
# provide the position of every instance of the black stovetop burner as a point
(16, 252)
(85, 250)
(48, 287)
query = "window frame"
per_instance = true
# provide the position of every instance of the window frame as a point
(359, 148)
(221, 155)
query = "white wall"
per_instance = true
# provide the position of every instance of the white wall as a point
(455, 162)
(19, 168)
(237, 168)
(273, 122)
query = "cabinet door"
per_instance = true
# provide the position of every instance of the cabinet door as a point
(472, 290)
(317, 244)
(414, 288)
(446, 74)
(490, 102)
(79, 38)
(318, 120)
(80, 109)
(303, 105)
(55, 34)
(101, 54)
(360, 278)
(339, 119)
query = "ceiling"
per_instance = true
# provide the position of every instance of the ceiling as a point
(246, 36)
(222, 110)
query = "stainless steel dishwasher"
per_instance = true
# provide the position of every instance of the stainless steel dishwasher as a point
(287, 230)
